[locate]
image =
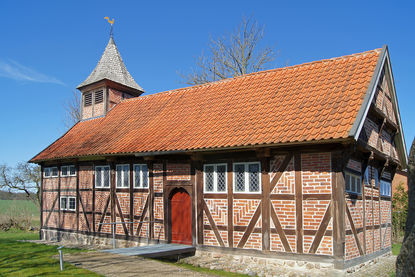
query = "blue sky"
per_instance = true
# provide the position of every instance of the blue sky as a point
(48, 47)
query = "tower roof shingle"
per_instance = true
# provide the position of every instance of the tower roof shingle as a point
(111, 67)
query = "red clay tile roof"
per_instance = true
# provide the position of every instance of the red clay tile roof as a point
(313, 101)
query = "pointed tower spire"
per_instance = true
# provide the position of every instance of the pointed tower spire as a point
(108, 84)
(111, 67)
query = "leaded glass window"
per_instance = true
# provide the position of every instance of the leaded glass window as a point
(209, 178)
(240, 177)
(140, 176)
(102, 176)
(215, 178)
(247, 177)
(123, 175)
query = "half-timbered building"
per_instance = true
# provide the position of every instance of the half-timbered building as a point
(293, 162)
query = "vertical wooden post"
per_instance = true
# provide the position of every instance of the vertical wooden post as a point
(265, 180)
(78, 195)
(199, 191)
(59, 197)
(112, 195)
(151, 199)
(41, 201)
(93, 198)
(230, 203)
(132, 183)
(298, 202)
(165, 203)
(193, 205)
(339, 205)
(364, 166)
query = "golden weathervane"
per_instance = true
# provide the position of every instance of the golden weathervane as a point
(110, 22)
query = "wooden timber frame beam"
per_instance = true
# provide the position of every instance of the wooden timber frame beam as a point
(298, 202)
(41, 201)
(338, 162)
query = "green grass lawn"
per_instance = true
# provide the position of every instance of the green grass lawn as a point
(31, 259)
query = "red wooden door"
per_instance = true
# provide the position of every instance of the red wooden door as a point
(181, 220)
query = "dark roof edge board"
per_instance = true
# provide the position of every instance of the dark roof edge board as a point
(172, 152)
(370, 93)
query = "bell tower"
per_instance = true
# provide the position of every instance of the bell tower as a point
(107, 85)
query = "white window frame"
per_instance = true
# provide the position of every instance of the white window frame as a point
(68, 170)
(67, 199)
(121, 186)
(246, 164)
(359, 178)
(102, 167)
(215, 178)
(141, 176)
(50, 169)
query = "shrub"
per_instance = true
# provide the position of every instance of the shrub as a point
(399, 212)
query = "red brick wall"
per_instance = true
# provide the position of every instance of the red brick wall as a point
(178, 171)
(68, 182)
(50, 183)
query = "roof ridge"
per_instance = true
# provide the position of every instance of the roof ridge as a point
(376, 50)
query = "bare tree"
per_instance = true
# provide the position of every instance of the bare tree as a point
(25, 177)
(73, 110)
(234, 54)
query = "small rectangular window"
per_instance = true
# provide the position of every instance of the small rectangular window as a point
(64, 203)
(71, 203)
(68, 203)
(353, 183)
(72, 171)
(99, 97)
(102, 176)
(68, 170)
(140, 176)
(123, 175)
(215, 178)
(385, 187)
(55, 172)
(247, 177)
(87, 99)
(64, 171)
(46, 172)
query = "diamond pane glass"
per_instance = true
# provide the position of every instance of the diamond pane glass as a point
(253, 177)
(239, 177)
(119, 176)
(144, 170)
(221, 177)
(106, 177)
(126, 175)
(98, 176)
(209, 178)
(137, 172)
